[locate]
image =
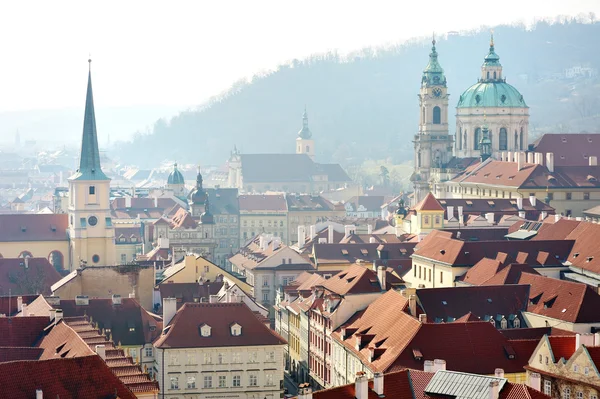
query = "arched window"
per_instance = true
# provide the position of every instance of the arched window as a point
(419, 159)
(488, 74)
(517, 324)
(494, 74)
(521, 140)
(459, 144)
(57, 260)
(516, 140)
(464, 143)
(503, 144)
(476, 138)
(503, 324)
(307, 148)
(25, 254)
(437, 115)
(423, 118)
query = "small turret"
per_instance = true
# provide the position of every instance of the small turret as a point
(485, 144)
(206, 217)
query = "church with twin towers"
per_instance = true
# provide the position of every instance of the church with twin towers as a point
(491, 117)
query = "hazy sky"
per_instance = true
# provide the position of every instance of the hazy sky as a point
(181, 52)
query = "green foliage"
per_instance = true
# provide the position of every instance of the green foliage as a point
(364, 106)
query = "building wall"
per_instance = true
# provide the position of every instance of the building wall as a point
(253, 223)
(227, 235)
(307, 218)
(536, 320)
(38, 249)
(126, 252)
(105, 281)
(432, 275)
(265, 363)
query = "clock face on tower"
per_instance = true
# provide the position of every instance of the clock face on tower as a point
(437, 92)
(93, 220)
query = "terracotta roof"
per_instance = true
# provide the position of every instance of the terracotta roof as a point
(351, 253)
(118, 318)
(429, 203)
(33, 227)
(183, 220)
(8, 304)
(573, 149)
(448, 304)
(77, 378)
(10, 354)
(312, 203)
(562, 300)
(183, 330)
(356, 279)
(368, 202)
(63, 342)
(265, 168)
(27, 276)
(594, 352)
(22, 331)
(189, 292)
(493, 272)
(562, 347)
(263, 202)
(534, 333)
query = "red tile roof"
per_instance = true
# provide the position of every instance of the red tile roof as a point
(22, 331)
(493, 272)
(75, 378)
(562, 300)
(10, 354)
(183, 220)
(356, 279)
(562, 347)
(534, 333)
(27, 276)
(429, 203)
(594, 352)
(63, 342)
(33, 227)
(573, 149)
(183, 330)
(189, 292)
(8, 304)
(263, 202)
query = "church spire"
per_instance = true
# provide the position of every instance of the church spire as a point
(305, 132)
(89, 160)
(433, 74)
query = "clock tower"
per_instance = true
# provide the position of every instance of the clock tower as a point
(433, 144)
(91, 233)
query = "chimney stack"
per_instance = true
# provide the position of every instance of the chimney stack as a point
(378, 383)
(522, 214)
(58, 315)
(520, 160)
(127, 202)
(460, 212)
(381, 276)
(330, 234)
(422, 318)
(101, 351)
(539, 158)
(535, 381)
(503, 156)
(24, 310)
(550, 161)
(52, 312)
(509, 156)
(532, 200)
(593, 160)
(490, 217)
(499, 373)
(361, 386)
(494, 389)
(412, 305)
(439, 364)
(544, 214)
(313, 231)
(520, 203)
(19, 303)
(428, 366)
(301, 236)
(530, 157)
(369, 228)
(169, 310)
(450, 211)
(304, 391)
(39, 394)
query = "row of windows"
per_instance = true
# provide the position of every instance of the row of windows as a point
(221, 358)
(270, 223)
(221, 382)
(425, 273)
(502, 139)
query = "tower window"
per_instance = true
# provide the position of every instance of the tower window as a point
(488, 74)
(437, 115)
(494, 74)
(503, 139)
(476, 138)
(307, 149)
(92, 190)
(521, 139)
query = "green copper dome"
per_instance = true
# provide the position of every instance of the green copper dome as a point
(491, 94)
(433, 74)
(175, 177)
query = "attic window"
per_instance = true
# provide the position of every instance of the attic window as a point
(417, 354)
(364, 252)
(444, 303)
(23, 229)
(343, 275)
(236, 330)
(535, 299)
(491, 204)
(563, 139)
(489, 300)
(204, 330)
(511, 177)
(576, 254)
(486, 175)
(589, 259)
(589, 139)
(351, 279)
(469, 203)
(345, 252)
(53, 227)
(443, 251)
(548, 304)
(591, 178)
(498, 177)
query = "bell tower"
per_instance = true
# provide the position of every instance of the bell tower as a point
(91, 233)
(433, 144)
(304, 143)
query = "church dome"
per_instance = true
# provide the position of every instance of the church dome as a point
(198, 195)
(175, 177)
(491, 94)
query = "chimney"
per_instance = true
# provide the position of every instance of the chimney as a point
(428, 366)
(378, 383)
(127, 202)
(494, 389)
(577, 341)
(556, 217)
(163, 243)
(502, 156)
(520, 160)
(262, 240)
(490, 217)
(132, 295)
(58, 315)
(530, 157)
(372, 240)
(381, 276)
(116, 299)
(584, 339)
(532, 200)
(213, 299)
(422, 318)
(539, 158)
(439, 364)
(39, 394)
(460, 212)
(450, 211)
(520, 203)
(544, 214)
(412, 305)
(301, 236)
(156, 202)
(330, 234)
(369, 229)
(52, 312)
(535, 381)
(347, 230)
(169, 310)
(522, 214)
(508, 156)
(101, 351)
(361, 386)
(499, 373)
(24, 310)
(304, 391)
(313, 231)
(19, 303)
(593, 160)
(550, 161)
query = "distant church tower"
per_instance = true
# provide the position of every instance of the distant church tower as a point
(304, 143)
(91, 233)
(433, 144)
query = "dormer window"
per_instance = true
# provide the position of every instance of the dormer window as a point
(236, 330)
(204, 330)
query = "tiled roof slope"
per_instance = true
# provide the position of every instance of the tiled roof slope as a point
(74, 378)
(33, 227)
(350, 253)
(8, 303)
(499, 206)
(310, 203)
(183, 330)
(562, 300)
(493, 272)
(562, 347)
(27, 276)
(22, 331)
(63, 342)
(573, 149)
(11, 354)
(287, 168)
(189, 292)
(448, 304)
(118, 318)
(356, 279)
(429, 203)
(263, 202)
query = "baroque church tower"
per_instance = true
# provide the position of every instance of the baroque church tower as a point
(91, 233)
(304, 143)
(433, 144)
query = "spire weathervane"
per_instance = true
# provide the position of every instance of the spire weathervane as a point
(433, 39)
(491, 38)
